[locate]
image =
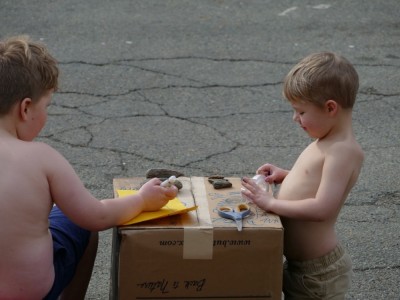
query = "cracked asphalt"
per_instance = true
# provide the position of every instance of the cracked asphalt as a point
(196, 86)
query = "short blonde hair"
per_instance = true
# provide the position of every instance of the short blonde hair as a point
(27, 70)
(320, 77)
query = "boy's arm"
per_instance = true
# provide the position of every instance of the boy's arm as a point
(338, 169)
(69, 193)
(272, 173)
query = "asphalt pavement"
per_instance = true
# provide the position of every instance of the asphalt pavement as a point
(196, 86)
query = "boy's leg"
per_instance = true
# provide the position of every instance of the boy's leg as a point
(327, 277)
(78, 286)
(71, 244)
(293, 287)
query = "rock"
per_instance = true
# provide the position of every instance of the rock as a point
(221, 184)
(212, 178)
(162, 173)
(178, 184)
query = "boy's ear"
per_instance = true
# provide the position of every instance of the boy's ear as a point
(331, 106)
(24, 107)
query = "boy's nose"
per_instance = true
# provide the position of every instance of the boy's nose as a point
(295, 117)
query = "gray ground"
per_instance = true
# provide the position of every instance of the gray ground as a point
(196, 86)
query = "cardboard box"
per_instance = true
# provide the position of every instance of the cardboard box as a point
(198, 255)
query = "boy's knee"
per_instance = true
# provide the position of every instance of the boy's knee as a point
(93, 241)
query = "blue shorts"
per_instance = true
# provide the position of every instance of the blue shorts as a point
(69, 244)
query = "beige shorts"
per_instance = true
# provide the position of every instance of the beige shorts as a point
(327, 277)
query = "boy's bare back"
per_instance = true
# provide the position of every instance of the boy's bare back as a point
(34, 176)
(25, 202)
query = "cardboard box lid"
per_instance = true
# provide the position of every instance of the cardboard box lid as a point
(198, 191)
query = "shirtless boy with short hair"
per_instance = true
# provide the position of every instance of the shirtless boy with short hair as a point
(322, 90)
(34, 176)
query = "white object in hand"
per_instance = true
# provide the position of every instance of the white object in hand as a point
(168, 182)
(260, 181)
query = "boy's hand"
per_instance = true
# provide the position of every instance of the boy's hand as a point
(256, 194)
(272, 173)
(155, 196)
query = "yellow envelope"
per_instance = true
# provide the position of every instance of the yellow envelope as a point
(173, 207)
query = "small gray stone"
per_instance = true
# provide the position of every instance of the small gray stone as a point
(221, 184)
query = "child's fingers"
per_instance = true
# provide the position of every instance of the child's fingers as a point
(154, 181)
(171, 191)
(264, 169)
(250, 185)
(246, 182)
(246, 194)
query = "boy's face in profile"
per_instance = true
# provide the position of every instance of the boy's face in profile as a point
(37, 116)
(311, 118)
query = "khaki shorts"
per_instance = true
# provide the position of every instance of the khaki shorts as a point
(327, 277)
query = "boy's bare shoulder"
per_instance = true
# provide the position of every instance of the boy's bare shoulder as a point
(42, 146)
(349, 149)
(34, 151)
(47, 152)
(31, 148)
(40, 149)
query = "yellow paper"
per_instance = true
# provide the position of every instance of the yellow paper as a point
(173, 207)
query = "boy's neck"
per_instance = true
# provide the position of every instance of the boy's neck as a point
(342, 126)
(8, 127)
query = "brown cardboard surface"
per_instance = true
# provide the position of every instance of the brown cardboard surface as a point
(232, 197)
(198, 255)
